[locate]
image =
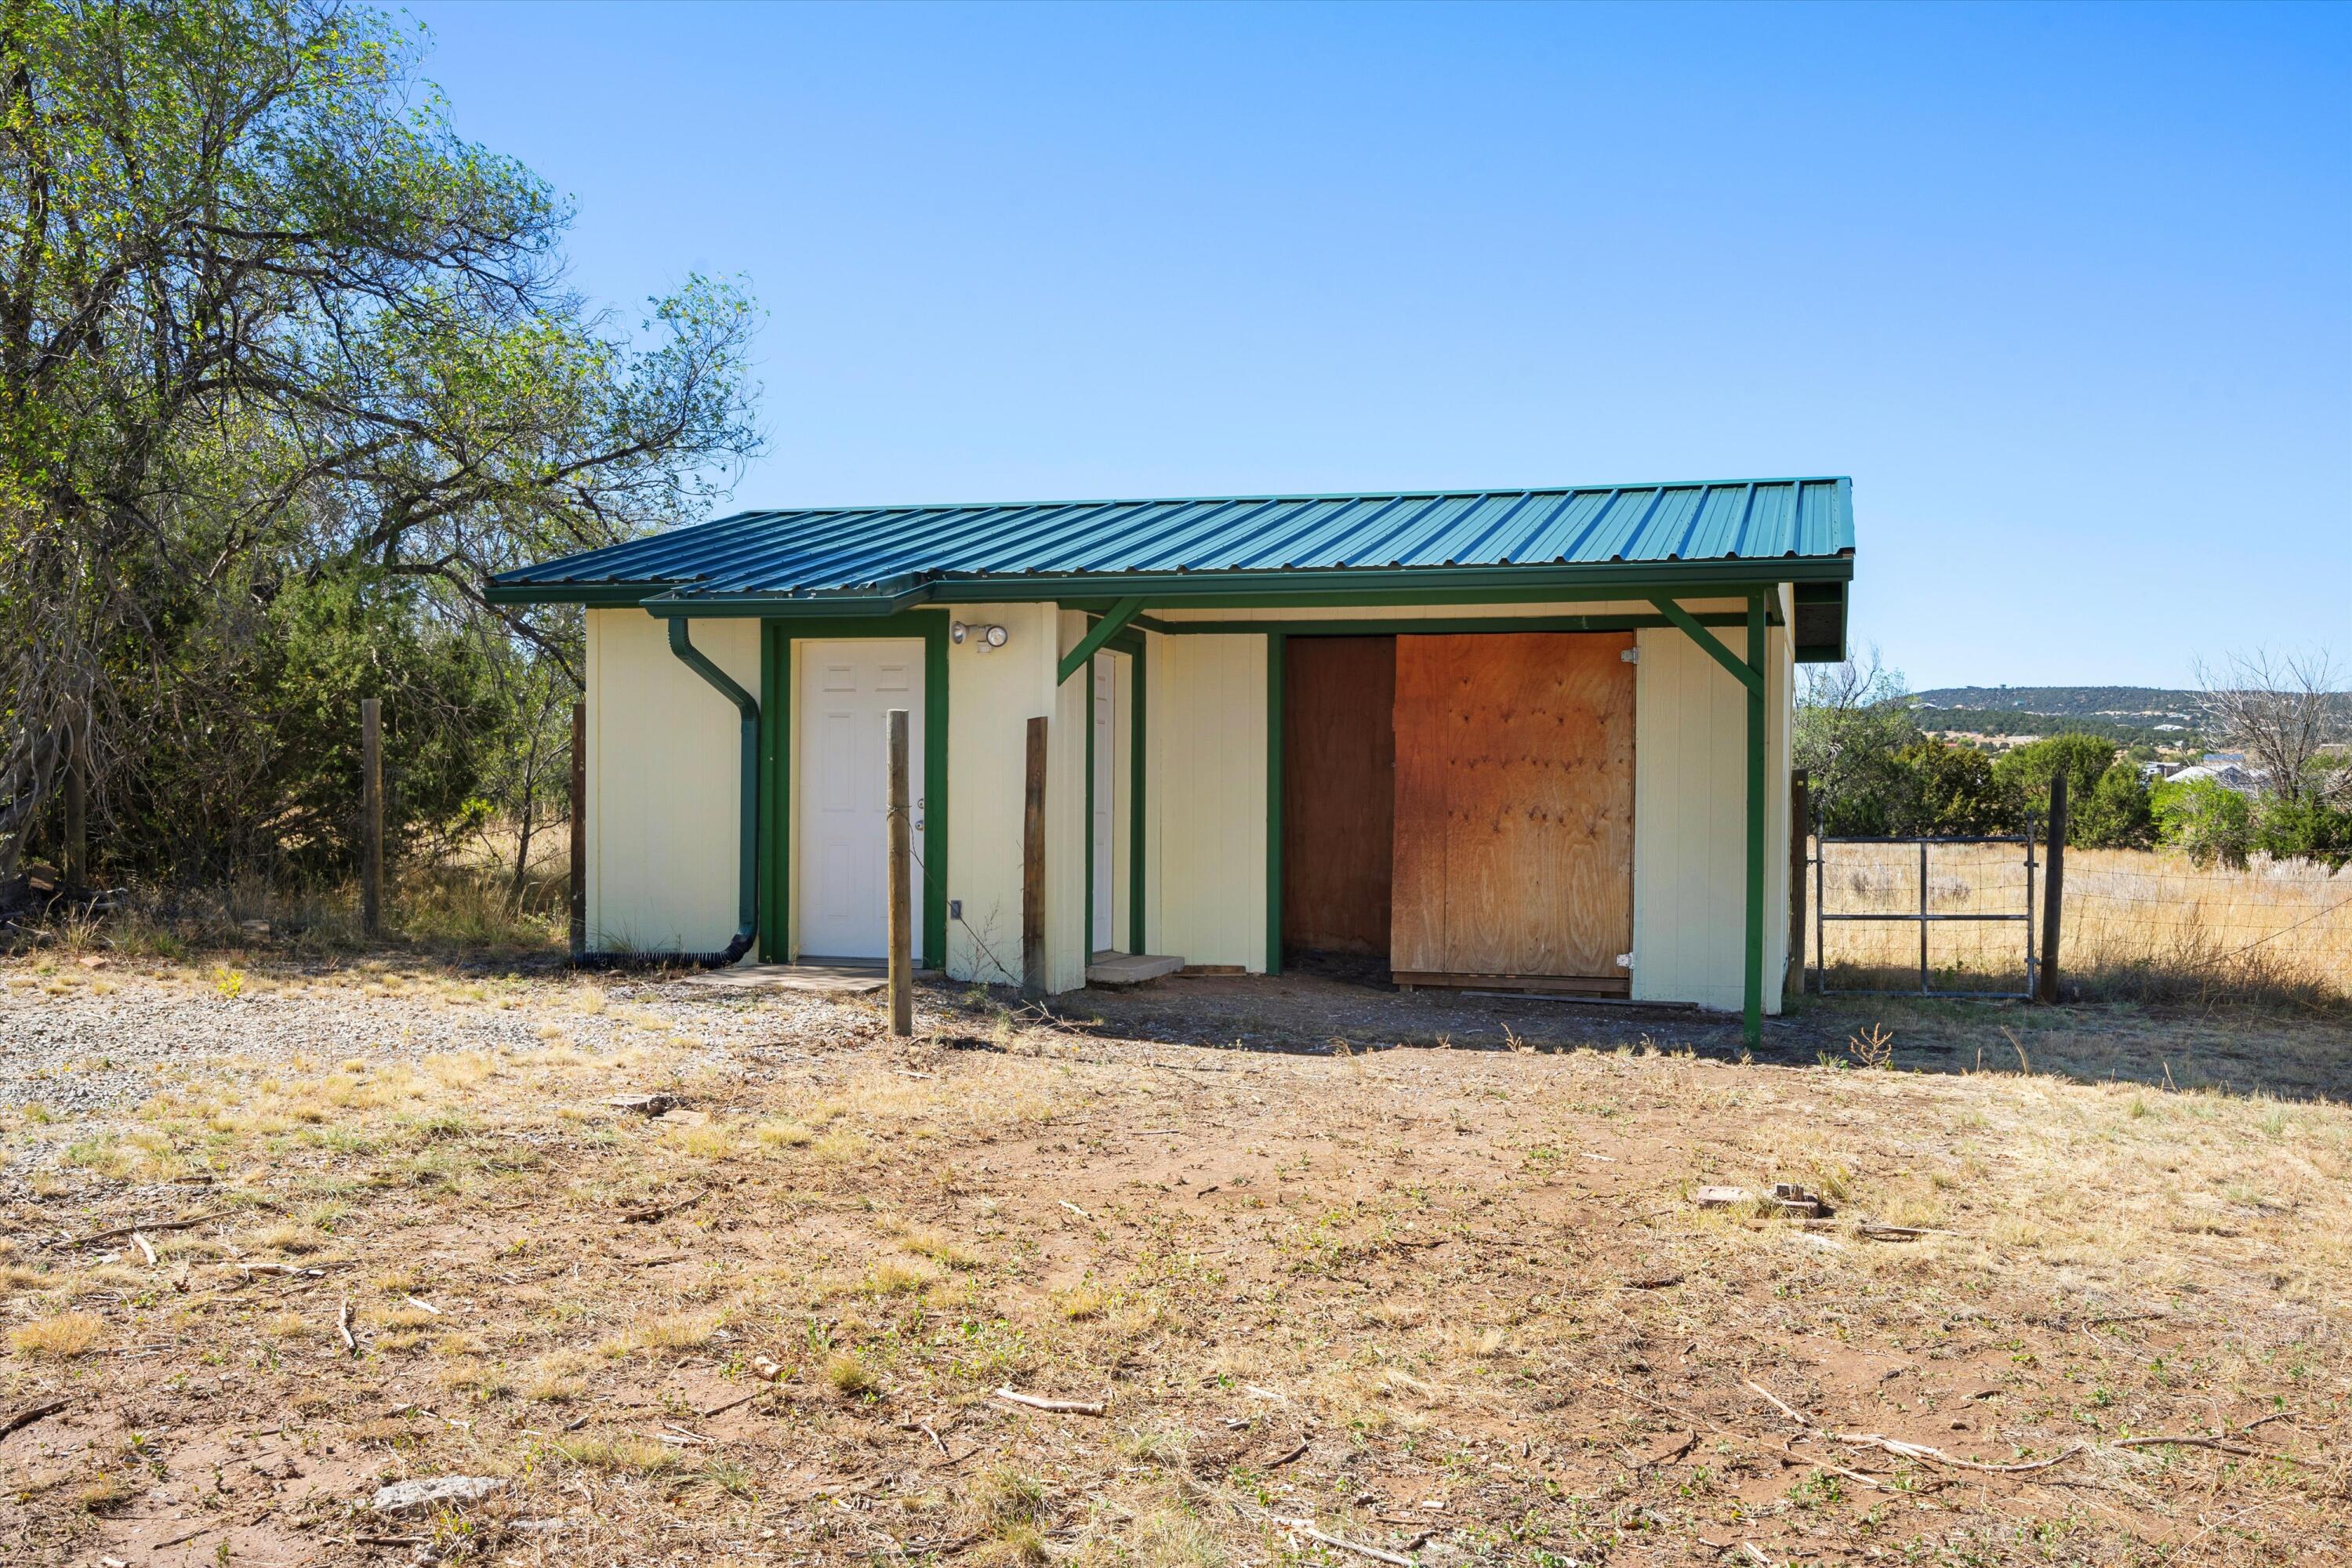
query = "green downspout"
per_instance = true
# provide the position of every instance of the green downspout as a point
(747, 896)
(1752, 1020)
(1276, 649)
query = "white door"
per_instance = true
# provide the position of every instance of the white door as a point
(846, 688)
(1106, 802)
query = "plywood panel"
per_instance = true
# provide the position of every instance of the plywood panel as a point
(1514, 817)
(1338, 792)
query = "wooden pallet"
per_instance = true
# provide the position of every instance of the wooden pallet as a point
(1553, 985)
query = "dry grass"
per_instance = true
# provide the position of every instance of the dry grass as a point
(464, 904)
(1451, 1296)
(58, 1338)
(2139, 925)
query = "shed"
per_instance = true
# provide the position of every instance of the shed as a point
(1531, 738)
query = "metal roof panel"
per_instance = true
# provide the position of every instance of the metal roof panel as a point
(850, 550)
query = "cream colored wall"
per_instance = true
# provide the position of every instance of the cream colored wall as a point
(1690, 820)
(1122, 813)
(662, 796)
(664, 784)
(993, 694)
(1205, 803)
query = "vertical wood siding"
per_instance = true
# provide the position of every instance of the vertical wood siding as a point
(1122, 771)
(1204, 811)
(663, 785)
(1338, 792)
(994, 692)
(1690, 782)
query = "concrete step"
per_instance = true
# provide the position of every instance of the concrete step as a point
(1129, 968)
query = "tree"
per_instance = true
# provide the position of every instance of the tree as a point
(1950, 792)
(2307, 827)
(2023, 776)
(2210, 820)
(2283, 712)
(2116, 814)
(1852, 727)
(264, 316)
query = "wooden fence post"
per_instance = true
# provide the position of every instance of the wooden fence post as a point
(371, 816)
(902, 864)
(2053, 887)
(77, 803)
(579, 892)
(1800, 824)
(1033, 866)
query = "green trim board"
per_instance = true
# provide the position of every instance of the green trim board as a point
(1274, 651)
(1411, 625)
(1087, 885)
(1136, 772)
(1318, 586)
(1752, 991)
(777, 752)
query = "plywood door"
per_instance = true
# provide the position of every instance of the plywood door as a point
(1338, 792)
(842, 796)
(1513, 829)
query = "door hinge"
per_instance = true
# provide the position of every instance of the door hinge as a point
(1629, 655)
(1625, 961)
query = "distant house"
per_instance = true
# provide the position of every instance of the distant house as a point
(2228, 776)
(1527, 738)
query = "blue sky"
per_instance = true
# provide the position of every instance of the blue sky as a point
(2067, 291)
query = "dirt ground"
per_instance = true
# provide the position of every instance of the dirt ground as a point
(1353, 1276)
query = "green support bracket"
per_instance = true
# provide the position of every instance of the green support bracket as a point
(1689, 623)
(1109, 626)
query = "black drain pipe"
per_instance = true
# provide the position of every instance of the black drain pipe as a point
(747, 895)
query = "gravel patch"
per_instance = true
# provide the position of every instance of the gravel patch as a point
(85, 1052)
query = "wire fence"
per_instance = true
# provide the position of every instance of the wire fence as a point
(2137, 924)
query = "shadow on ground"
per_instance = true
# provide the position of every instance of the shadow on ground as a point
(1327, 1009)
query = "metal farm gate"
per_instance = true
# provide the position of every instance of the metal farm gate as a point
(1925, 916)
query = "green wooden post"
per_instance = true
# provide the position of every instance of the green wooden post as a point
(1135, 842)
(1753, 1010)
(1273, 655)
(1087, 924)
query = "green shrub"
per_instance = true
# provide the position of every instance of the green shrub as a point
(2208, 820)
(2309, 828)
(2117, 813)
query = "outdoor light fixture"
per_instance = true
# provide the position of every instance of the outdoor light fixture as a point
(989, 637)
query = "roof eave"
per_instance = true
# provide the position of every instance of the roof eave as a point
(1162, 589)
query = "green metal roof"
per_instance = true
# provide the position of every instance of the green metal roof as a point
(864, 559)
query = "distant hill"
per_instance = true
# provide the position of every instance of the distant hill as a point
(2127, 715)
(2154, 703)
